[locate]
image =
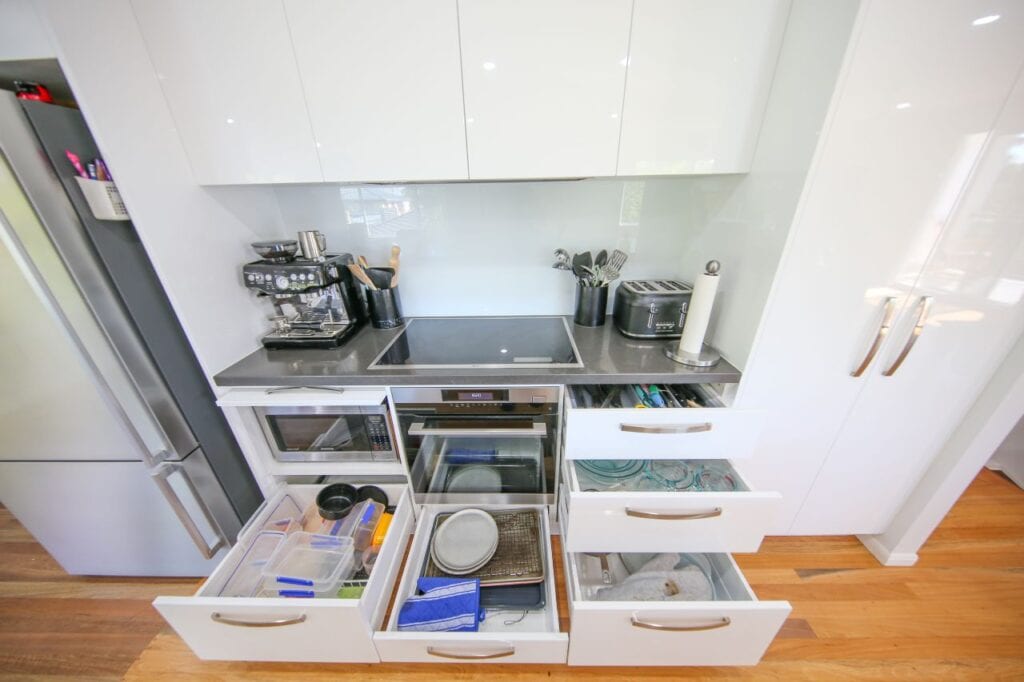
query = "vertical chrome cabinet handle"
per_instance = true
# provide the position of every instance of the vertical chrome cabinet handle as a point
(228, 620)
(883, 331)
(440, 653)
(647, 625)
(160, 475)
(923, 306)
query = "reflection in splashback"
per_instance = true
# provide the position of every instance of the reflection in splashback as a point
(486, 248)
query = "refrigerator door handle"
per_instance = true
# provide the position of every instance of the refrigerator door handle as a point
(160, 475)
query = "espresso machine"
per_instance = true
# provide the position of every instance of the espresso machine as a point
(314, 298)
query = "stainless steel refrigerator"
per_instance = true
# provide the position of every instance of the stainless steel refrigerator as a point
(112, 451)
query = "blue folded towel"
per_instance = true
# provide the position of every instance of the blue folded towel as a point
(445, 605)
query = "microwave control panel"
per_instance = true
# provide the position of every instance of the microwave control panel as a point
(377, 431)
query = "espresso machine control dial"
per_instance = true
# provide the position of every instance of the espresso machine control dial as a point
(281, 282)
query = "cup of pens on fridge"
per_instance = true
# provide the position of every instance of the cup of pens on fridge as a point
(98, 188)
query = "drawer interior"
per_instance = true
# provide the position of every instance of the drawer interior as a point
(497, 620)
(274, 516)
(654, 476)
(629, 396)
(607, 577)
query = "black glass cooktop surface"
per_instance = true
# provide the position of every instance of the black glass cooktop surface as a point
(498, 342)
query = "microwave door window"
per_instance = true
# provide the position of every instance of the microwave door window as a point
(318, 433)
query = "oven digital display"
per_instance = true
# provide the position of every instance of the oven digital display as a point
(463, 395)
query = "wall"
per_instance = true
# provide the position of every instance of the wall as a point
(22, 32)
(487, 248)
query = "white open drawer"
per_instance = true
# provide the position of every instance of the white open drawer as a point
(535, 639)
(735, 629)
(642, 521)
(637, 433)
(290, 629)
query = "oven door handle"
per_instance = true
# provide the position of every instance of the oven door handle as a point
(538, 430)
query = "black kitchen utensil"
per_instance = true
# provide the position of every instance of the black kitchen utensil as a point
(336, 501)
(372, 492)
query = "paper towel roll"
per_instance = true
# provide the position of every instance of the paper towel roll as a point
(699, 313)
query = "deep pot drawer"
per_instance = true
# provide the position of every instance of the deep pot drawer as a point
(290, 629)
(712, 432)
(734, 628)
(648, 521)
(503, 637)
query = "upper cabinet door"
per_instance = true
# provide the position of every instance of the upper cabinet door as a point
(699, 77)
(228, 71)
(543, 86)
(384, 87)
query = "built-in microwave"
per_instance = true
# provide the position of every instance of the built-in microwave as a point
(328, 433)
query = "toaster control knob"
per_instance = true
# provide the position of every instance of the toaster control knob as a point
(281, 282)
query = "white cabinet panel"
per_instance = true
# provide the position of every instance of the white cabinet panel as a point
(543, 86)
(384, 87)
(699, 77)
(228, 72)
(896, 146)
(975, 280)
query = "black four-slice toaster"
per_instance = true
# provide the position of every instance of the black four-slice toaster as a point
(651, 308)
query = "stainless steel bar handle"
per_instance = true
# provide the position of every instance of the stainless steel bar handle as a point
(228, 620)
(160, 475)
(883, 331)
(283, 389)
(667, 428)
(538, 429)
(673, 516)
(637, 623)
(440, 653)
(923, 307)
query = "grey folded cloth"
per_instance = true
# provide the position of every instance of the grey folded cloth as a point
(659, 580)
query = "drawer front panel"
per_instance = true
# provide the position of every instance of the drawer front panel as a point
(697, 433)
(471, 647)
(664, 522)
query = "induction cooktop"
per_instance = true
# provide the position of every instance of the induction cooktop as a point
(481, 342)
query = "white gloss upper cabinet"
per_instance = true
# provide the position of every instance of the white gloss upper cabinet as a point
(383, 86)
(543, 86)
(699, 77)
(229, 75)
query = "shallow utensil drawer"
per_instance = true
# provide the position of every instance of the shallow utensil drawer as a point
(534, 639)
(290, 629)
(732, 629)
(643, 521)
(690, 433)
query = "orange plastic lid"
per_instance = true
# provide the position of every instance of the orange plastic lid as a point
(382, 529)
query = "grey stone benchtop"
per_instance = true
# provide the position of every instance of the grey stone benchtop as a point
(608, 357)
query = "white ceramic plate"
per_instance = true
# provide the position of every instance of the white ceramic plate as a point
(465, 541)
(475, 479)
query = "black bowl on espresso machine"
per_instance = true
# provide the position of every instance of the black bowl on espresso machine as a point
(313, 295)
(651, 308)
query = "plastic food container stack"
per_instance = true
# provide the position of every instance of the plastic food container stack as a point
(286, 517)
(309, 565)
(359, 524)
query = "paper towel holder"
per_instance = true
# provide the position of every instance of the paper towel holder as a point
(707, 356)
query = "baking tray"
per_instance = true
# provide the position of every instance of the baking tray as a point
(519, 558)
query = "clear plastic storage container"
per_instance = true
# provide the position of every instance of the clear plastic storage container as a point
(308, 561)
(247, 577)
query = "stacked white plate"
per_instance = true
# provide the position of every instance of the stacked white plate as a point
(465, 542)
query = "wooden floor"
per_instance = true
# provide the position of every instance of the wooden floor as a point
(958, 614)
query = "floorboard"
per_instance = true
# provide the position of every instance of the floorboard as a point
(958, 614)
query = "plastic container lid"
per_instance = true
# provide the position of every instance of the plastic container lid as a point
(309, 560)
(247, 577)
(286, 516)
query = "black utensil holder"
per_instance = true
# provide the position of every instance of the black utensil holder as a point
(385, 308)
(591, 305)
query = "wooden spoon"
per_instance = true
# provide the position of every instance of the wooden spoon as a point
(395, 253)
(361, 275)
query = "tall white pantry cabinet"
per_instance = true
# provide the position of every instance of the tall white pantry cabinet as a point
(900, 289)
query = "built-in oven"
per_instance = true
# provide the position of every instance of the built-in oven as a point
(328, 433)
(476, 445)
